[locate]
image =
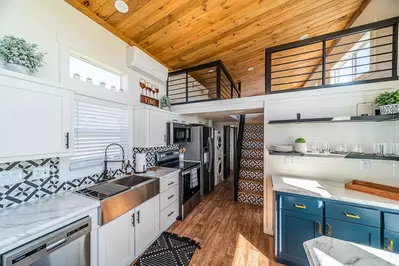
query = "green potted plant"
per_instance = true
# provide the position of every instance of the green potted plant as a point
(20, 56)
(165, 102)
(388, 102)
(300, 145)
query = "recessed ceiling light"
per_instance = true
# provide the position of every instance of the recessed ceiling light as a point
(251, 68)
(303, 37)
(211, 70)
(121, 6)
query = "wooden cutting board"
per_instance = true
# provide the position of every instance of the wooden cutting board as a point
(384, 191)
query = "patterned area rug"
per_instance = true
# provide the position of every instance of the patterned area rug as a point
(169, 250)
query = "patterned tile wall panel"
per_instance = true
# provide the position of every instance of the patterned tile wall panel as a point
(150, 153)
(256, 154)
(251, 174)
(254, 164)
(34, 189)
(250, 199)
(251, 186)
(252, 144)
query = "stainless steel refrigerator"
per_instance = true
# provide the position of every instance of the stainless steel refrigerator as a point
(201, 149)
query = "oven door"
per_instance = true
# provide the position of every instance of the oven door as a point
(191, 182)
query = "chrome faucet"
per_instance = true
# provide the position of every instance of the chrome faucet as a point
(107, 161)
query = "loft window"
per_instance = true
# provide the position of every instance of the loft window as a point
(96, 125)
(354, 63)
(83, 68)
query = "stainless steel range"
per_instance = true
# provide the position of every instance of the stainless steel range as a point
(126, 193)
(189, 195)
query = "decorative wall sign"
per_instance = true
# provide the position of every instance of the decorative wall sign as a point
(148, 100)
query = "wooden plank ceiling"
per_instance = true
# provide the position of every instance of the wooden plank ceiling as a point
(184, 33)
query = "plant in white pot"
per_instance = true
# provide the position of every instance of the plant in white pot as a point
(165, 102)
(300, 145)
(20, 56)
(388, 102)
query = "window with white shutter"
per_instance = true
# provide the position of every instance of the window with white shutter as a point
(96, 125)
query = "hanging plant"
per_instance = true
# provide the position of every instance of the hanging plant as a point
(17, 51)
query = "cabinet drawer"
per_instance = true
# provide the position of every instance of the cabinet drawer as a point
(302, 205)
(169, 196)
(169, 182)
(169, 215)
(391, 222)
(353, 214)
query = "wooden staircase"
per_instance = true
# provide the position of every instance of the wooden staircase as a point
(250, 180)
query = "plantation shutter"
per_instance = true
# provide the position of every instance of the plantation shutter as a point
(96, 125)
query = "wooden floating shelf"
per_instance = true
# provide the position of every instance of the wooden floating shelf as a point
(364, 156)
(375, 118)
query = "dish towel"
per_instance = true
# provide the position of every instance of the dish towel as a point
(193, 178)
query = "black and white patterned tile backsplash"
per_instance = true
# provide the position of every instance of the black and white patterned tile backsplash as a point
(151, 152)
(31, 189)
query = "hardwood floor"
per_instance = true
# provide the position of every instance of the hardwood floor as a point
(229, 233)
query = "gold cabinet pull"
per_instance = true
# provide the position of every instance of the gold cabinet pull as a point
(300, 206)
(329, 231)
(320, 228)
(390, 246)
(353, 216)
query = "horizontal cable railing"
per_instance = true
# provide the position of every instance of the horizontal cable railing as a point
(362, 54)
(201, 83)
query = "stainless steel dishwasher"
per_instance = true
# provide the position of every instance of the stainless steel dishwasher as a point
(67, 246)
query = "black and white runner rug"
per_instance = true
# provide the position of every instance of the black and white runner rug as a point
(169, 250)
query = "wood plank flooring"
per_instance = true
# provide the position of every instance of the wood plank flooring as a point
(229, 233)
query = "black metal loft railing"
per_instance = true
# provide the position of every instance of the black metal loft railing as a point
(207, 82)
(362, 54)
(237, 155)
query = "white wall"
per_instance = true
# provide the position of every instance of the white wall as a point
(57, 27)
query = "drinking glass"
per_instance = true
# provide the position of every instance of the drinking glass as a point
(315, 147)
(342, 149)
(326, 147)
(395, 149)
(380, 149)
(357, 148)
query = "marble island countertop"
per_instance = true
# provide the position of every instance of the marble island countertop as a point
(159, 172)
(326, 251)
(18, 225)
(329, 190)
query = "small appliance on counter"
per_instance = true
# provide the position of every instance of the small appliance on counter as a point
(141, 163)
(189, 181)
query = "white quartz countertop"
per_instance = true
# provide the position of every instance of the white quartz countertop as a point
(26, 220)
(159, 172)
(329, 190)
(327, 251)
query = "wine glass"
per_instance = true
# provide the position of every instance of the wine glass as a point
(326, 147)
(142, 83)
(315, 147)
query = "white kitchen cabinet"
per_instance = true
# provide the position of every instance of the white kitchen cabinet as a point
(147, 224)
(116, 241)
(35, 118)
(149, 127)
(174, 118)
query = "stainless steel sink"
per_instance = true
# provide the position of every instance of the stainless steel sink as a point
(131, 181)
(141, 190)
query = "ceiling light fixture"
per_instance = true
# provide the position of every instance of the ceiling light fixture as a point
(251, 68)
(211, 70)
(121, 6)
(303, 37)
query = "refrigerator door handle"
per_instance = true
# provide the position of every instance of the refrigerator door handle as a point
(210, 154)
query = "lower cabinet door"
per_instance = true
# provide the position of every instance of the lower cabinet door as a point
(116, 241)
(297, 228)
(391, 241)
(360, 234)
(147, 224)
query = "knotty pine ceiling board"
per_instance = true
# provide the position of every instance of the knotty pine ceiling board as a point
(185, 33)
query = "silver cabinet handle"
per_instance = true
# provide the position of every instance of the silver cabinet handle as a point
(171, 197)
(138, 217)
(133, 220)
(171, 183)
(171, 213)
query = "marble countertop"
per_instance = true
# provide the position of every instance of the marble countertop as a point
(327, 251)
(19, 223)
(329, 190)
(159, 172)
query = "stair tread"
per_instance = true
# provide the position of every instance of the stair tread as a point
(252, 140)
(251, 158)
(258, 194)
(251, 169)
(260, 181)
(253, 149)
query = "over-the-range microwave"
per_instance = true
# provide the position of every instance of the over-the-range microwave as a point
(178, 133)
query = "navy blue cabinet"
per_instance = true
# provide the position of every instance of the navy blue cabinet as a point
(296, 228)
(361, 234)
(391, 241)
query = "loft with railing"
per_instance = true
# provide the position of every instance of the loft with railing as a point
(207, 82)
(362, 54)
